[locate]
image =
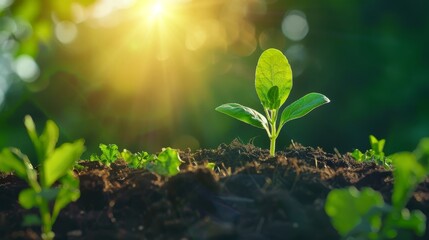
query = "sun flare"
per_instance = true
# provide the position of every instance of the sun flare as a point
(156, 10)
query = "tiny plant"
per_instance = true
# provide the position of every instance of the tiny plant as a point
(109, 154)
(364, 214)
(273, 83)
(375, 154)
(54, 165)
(166, 163)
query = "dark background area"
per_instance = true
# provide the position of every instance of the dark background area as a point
(145, 88)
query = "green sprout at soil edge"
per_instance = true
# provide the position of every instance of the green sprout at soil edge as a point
(273, 83)
(54, 166)
(364, 214)
(375, 154)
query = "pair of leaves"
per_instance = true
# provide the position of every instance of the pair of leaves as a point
(297, 109)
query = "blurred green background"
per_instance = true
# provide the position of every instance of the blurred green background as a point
(148, 74)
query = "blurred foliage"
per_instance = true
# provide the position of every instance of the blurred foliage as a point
(118, 71)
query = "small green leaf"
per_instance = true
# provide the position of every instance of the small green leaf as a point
(407, 174)
(358, 155)
(302, 107)
(48, 139)
(32, 133)
(273, 69)
(28, 198)
(167, 163)
(69, 192)
(9, 162)
(377, 145)
(347, 207)
(61, 161)
(244, 114)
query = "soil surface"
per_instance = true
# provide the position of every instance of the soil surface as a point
(249, 196)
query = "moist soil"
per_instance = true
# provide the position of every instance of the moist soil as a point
(249, 196)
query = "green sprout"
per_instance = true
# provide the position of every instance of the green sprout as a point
(55, 166)
(273, 83)
(109, 154)
(375, 154)
(364, 214)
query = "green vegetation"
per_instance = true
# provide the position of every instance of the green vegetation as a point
(364, 214)
(375, 154)
(273, 84)
(166, 163)
(54, 165)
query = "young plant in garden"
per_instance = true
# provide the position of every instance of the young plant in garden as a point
(364, 214)
(54, 165)
(273, 83)
(375, 154)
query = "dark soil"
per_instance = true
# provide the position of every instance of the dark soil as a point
(249, 196)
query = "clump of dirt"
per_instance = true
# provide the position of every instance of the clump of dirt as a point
(249, 195)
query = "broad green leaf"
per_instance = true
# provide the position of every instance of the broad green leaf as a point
(61, 161)
(167, 163)
(407, 174)
(302, 107)
(68, 192)
(28, 198)
(273, 69)
(347, 207)
(9, 162)
(48, 139)
(244, 114)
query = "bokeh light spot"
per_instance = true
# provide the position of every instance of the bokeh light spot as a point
(295, 26)
(66, 31)
(26, 68)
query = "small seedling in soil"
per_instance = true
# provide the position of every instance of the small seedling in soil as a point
(375, 154)
(54, 165)
(166, 163)
(364, 214)
(273, 83)
(109, 154)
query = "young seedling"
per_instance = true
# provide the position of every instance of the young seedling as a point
(109, 154)
(364, 214)
(375, 154)
(54, 166)
(273, 83)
